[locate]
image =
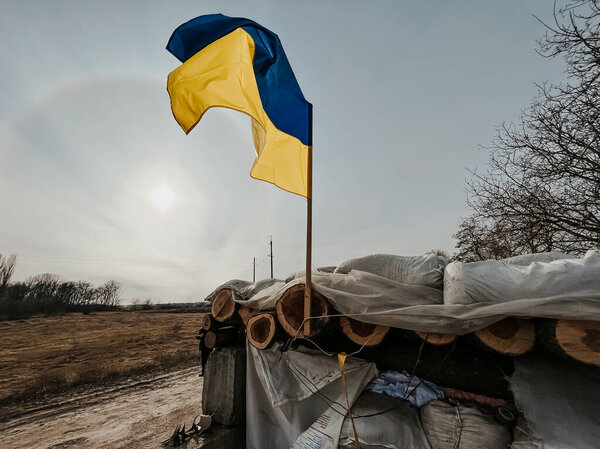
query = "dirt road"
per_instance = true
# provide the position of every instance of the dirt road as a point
(130, 414)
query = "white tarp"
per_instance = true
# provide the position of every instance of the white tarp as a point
(243, 290)
(560, 401)
(378, 300)
(427, 270)
(497, 281)
(291, 397)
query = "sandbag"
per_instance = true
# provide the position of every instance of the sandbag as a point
(450, 426)
(528, 277)
(399, 428)
(425, 270)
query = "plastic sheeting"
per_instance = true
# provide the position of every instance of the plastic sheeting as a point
(527, 277)
(450, 426)
(302, 273)
(289, 397)
(560, 400)
(398, 428)
(244, 290)
(378, 300)
(425, 270)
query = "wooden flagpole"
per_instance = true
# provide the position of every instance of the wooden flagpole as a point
(308, 285)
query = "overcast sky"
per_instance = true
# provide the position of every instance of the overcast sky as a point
(403, 94)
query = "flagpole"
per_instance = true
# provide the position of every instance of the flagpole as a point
(308, 284)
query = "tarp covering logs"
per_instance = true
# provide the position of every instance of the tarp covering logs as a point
(458, 325)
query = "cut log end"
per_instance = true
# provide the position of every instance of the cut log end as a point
(225, 336)
(210, 340)
(435, 338)
(511, 336)
(580, 340)
(223, 306)
(290, 311)
(363, 334)
(261, 330)
(206, 322)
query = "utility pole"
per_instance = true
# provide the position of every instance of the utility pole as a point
(271, 256)
(254, 269)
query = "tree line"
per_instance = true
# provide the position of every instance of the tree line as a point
(50, 294)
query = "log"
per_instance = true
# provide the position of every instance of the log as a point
(363, 334)
(574, 339)
(458, 366)
(209, 323)
(263, 330)
(225, 336)
(207, 320)
(246, 313)
(223, 307)
(290, 311)
(435, 338)
(511, 336)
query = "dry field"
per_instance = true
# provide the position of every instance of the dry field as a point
(42, 355)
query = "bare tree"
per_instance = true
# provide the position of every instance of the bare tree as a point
(7, 268)
(541, 191)
(108, 294)
(43, 286)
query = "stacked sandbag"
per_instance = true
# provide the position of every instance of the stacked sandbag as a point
(539, 277)
(427, 270)
(450, 426)
(398, 427)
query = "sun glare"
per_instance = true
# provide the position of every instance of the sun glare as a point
(163, 197)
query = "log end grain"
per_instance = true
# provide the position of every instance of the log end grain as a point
(363, 334)
(511, 336)
(223, 306)
(261, 330)
(290, 311)
(206, 322)
(580, 340)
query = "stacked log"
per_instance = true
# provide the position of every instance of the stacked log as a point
(480, 361)
(224, 336)
(262, 330)
(363, 334)
(290, 312)
(223, 307)
(511, 336)
(573, 339)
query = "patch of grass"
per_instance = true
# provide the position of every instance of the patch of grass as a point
(42, 356)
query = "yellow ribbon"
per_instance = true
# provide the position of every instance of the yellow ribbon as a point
(342, 360)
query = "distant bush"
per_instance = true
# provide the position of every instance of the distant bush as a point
(49, 294)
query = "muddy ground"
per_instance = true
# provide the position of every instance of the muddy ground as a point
(136, 413)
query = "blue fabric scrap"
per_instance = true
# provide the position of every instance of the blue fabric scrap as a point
(410, 388)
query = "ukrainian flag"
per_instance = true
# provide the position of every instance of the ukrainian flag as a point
(238, 64)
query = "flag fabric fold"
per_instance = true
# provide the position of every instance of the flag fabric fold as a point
(238, 64)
